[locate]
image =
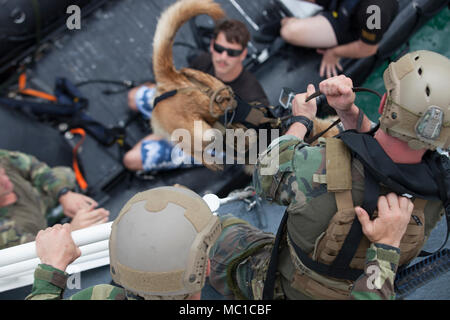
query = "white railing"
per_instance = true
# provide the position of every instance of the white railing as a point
(17, 263)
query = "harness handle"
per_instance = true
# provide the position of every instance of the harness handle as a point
(31, 92)
(76, 168)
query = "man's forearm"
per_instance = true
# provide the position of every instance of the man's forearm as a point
(298, 130)
(350, 119)
(49, 283)
(355, 50)
(377, 281)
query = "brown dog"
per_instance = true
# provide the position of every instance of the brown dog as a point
(200, 97)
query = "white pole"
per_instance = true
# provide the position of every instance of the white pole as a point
(81, 238)
(91, 257)
(31, 267)
(87, 252)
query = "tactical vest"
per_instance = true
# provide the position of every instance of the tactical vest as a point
(315, 268)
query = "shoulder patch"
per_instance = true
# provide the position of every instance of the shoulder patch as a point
(368, 35)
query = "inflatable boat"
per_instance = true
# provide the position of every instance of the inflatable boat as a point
(109, 54)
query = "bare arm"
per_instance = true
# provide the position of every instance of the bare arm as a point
(297, 129)
(350, 117)
(302, 108)
(341, 97)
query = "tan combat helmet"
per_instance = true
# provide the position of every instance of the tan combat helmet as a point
(417, 109)
(160, 241)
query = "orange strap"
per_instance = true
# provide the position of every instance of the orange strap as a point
(32, 92)
(78, 175)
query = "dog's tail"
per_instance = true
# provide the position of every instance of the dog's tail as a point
(169, 22)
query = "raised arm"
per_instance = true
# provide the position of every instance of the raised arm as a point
(341, 97)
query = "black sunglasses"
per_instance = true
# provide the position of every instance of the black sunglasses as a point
(231, 52)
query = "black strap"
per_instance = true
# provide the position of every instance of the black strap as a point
(317, 136)
(164, 96)
(360, 120)
(340, 267)
(413, 179)
(40, 109)
(325, 269)
(351, 242)
(440, 166)
(269, 284)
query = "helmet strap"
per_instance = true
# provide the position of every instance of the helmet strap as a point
(382, 104)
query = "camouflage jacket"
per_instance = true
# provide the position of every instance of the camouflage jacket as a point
(36, 186)
(376, 283)
(289, 173)
(240, 258)
(50, 283)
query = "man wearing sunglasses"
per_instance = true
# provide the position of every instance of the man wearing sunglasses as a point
(228, 50)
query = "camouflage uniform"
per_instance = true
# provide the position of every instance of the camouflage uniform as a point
(377, 282)
(49, 284)
(239, 261)
(36, 186)
(297, 172)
